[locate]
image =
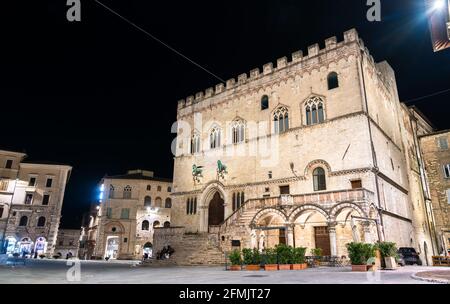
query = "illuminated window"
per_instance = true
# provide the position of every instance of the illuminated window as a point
(314, 110)
(156, 224)
(333, 81)
(28, 198)
(4, 185)
(147, 201)
(281, 120)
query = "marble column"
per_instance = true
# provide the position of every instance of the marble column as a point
(290, 235)
(367, 232)
(333, 239)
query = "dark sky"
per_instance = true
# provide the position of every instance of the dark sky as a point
(101, 95)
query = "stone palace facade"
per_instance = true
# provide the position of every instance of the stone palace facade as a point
(31, 198)
(317, 151)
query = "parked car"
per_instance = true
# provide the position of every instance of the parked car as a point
(409, 256)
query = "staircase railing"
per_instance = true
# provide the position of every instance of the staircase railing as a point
(353, 195)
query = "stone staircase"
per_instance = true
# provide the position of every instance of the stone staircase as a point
(193, 250)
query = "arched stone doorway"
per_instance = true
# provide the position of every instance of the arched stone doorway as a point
(216, 210)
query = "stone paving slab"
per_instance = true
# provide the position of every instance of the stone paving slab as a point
(437, 276)
(51, 272)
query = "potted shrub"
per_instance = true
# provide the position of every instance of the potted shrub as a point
(388, 252)
(360, 254)
(252, 259)
(236, 260)
(42, 256)
(284, 254)
(270, 259)
(298, 259)
(317, 254)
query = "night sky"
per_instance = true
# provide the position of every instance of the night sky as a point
(102, 96)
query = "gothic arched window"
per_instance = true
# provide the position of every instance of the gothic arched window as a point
(238, 131)
(314, 110)
(281, 120)
(319, 179)
(333, 80)
(214, 138)
(195, 143)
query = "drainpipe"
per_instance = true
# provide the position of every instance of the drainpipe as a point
(374, 157)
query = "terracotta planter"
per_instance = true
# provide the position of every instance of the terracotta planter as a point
(360, 268)
(284, 267)
(253, 267)
(270, 267)
(235, 268)
(299, 266)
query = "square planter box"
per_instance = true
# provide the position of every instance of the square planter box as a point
(253, 267)
(299, 266)
(235, 268)
(270, 267)
(284, 267)
(360, 268)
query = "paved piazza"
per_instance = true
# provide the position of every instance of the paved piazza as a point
(52, 271)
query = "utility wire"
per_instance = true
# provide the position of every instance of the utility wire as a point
(160, 41)
(427, 96)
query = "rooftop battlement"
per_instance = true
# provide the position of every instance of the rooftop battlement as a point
(296, 58)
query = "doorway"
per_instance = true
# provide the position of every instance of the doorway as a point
(322, 239)
(216, 211)
(112, 247)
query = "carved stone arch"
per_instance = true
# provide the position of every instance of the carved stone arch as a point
(317, 163)
(312, 96)
(336, 209)
(279, 105)
(373, 212)
(263, 212)
(209, 190)
(299, 210)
